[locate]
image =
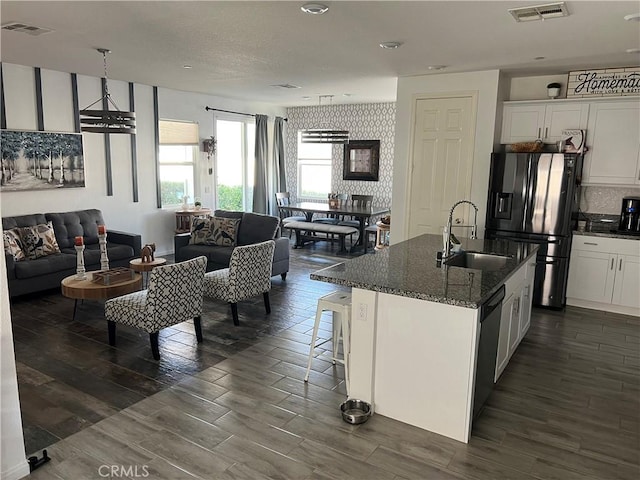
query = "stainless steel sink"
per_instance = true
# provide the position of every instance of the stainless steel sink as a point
(478, 261)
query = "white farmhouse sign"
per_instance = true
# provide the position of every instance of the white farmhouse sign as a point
(608, 82)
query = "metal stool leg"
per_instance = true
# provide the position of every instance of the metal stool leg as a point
(314, 338)
(346, 347)
(337, 327)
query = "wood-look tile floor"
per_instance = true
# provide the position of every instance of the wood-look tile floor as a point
(235, 406)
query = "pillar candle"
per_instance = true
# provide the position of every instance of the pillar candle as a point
(79, 241)
(102, 229)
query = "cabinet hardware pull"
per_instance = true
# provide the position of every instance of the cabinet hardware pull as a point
(620, 266)
(546, 132)
(539, 131)
(612, 262)
(590, 243)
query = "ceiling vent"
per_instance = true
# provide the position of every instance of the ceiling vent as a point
(539, 12)
(24, 28)
(286, 85)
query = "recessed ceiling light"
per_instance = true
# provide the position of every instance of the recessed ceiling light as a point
(632, 50)
(539, 58)
(391, 45)
(187, 66)
(635, 17)
(314, 8)
(436, 67)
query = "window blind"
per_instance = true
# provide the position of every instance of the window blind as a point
(178, 133)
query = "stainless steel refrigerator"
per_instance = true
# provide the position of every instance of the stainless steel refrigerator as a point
(534, 198)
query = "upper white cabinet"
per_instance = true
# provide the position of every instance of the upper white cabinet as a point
(525, 122)
(613, 137)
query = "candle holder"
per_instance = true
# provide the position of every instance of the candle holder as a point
(80, 270)
(104, 259)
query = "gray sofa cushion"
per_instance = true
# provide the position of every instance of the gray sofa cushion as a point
(69, 225)
(92, 253)
(43, 265)
(256, 228)
(218, 255)
(23, 221)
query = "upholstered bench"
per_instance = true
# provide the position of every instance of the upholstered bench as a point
(316, 227)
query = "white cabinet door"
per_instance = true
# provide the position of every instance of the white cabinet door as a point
(564, 116)
(591, 276)
(626, 290)
(527, 122)
(503, 340)
(527, 298)
(613, 137)
(522, 123)
(514, 321)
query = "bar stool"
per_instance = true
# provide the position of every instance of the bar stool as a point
(339, 303)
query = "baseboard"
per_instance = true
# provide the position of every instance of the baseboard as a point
(605, 307)
(16, 472)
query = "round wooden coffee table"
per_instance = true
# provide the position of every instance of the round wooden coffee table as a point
(88, 290)
(137, 265)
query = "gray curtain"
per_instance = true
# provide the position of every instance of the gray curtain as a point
(260, 191)
(278, 155)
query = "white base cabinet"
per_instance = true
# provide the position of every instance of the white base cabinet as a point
(604, 274)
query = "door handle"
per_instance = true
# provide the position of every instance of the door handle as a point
(612, 262)
(620, 266)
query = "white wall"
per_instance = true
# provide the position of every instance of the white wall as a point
(487, 86)
(13, 462)
(535, 88)
(119, 211)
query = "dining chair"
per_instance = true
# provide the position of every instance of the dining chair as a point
(283, 199)
(174, 295)
(332, 218)
(248, 275)
(360, 201)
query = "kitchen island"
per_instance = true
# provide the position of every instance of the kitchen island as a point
(415, 327)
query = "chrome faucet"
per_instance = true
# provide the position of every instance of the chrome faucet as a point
(447, 232)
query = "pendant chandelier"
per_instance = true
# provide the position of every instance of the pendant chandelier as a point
(324, 135)
(107, 121)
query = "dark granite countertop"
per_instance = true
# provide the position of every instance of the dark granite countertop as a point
(410, 269)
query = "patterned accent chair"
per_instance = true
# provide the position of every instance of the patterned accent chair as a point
(248, 275)
(174, 295)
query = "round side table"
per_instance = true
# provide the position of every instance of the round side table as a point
(137, 265)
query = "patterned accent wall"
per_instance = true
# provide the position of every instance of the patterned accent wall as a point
(366, 121)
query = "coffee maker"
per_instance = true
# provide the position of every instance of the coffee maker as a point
(630, 216)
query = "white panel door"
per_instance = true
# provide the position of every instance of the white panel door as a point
(442, 162)
(591, 276)
(626, 290)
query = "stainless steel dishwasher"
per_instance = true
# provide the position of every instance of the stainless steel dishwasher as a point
(490, 313)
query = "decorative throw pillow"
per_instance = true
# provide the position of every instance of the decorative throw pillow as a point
(13, 244)
(39, 241)
(199, 231)
(214, 231)
(224, 231)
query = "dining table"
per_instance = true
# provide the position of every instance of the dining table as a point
(362, 214)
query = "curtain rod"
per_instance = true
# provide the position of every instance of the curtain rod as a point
(235, 113)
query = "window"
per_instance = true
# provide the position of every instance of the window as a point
(235, 161)
(178, 153)
(314, 169)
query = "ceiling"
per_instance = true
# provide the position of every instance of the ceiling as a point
(240, 49)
